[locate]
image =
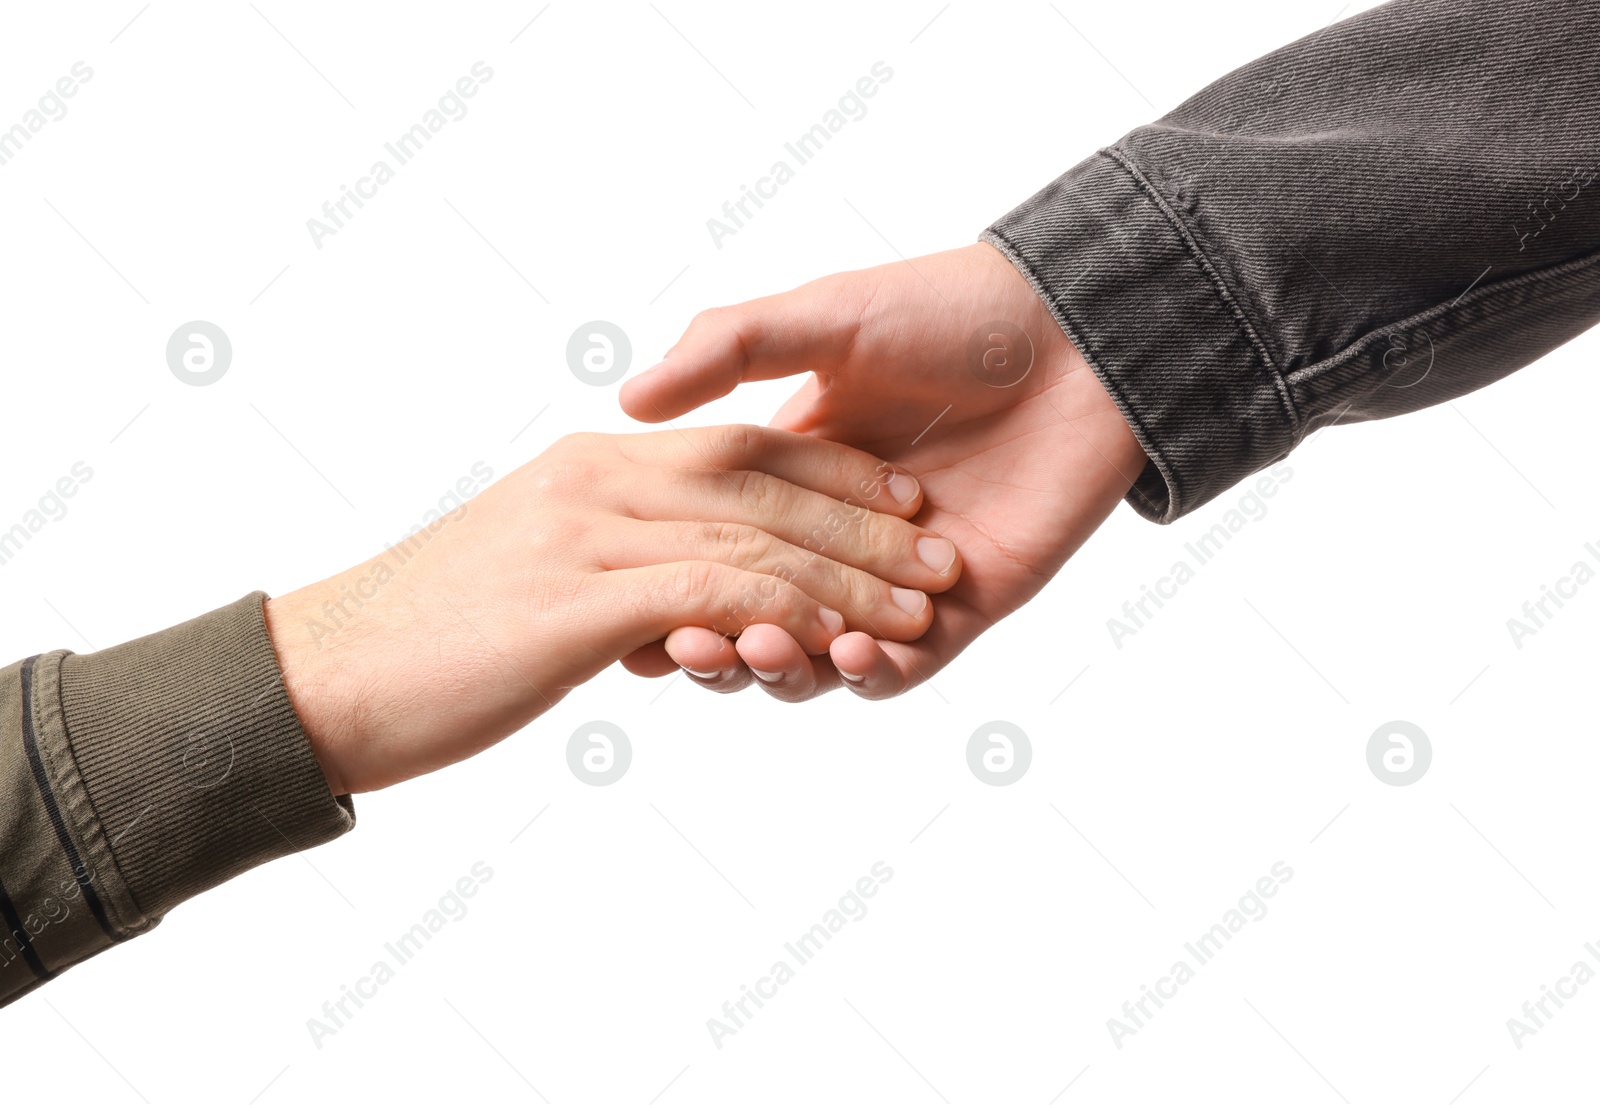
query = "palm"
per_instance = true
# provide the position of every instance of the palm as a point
(1009, 482)
(1018, 467)
(996, 487)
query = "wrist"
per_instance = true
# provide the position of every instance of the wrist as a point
(1104, 422)
(1064, 377)
(308, 679)
(375, 708)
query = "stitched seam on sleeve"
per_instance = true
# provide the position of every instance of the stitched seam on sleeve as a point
(55, 748)
(1229, 300)
(1439, 312)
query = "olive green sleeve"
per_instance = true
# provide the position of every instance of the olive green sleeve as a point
(136, 777)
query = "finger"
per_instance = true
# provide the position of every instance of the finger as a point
(799, 413)
(633, 607)
(868, 603)
(650, 661)
(865, 667)
(708, 658)
(888, 669)
(783, 670)
(808, 328)
(885, 546)
(891, 549)
(830, 468)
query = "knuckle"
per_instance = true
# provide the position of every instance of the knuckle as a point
(866, 532)
(734, 444)
(755, 490)
(574, 463)
(735, 544)
(861, 591)
(563, 475)
(789, 598)
(764, 598)
(711, 319)
(738, 543)
(723, 330)
(576, 442)
(833, 586)
(689, 584)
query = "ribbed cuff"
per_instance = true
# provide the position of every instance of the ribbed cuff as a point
(190, 764)
(1150, 315)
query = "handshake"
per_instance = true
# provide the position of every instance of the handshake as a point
(949, 454)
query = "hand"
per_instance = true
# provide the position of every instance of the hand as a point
(459, 636)
(1020, 459)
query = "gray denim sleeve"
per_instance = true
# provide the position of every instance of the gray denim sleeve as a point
(1385, 215)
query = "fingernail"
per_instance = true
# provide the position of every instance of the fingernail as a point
(832, 621)
(853, 678)
(767, 676)
(903, 487)
(712, 676)
(937, 554)
(909, 601)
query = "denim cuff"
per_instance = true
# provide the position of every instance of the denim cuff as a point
(1130, 288)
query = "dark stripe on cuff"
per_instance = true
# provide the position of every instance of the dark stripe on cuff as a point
(14, 927)
(79, 871)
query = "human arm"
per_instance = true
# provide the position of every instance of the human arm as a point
(1385, 215)
(136, 777)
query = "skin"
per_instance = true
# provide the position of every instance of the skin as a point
(592, 552)
(1018, 472)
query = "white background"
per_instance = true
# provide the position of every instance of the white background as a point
(410, 346)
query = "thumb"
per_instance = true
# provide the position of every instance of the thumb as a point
(809, 328)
